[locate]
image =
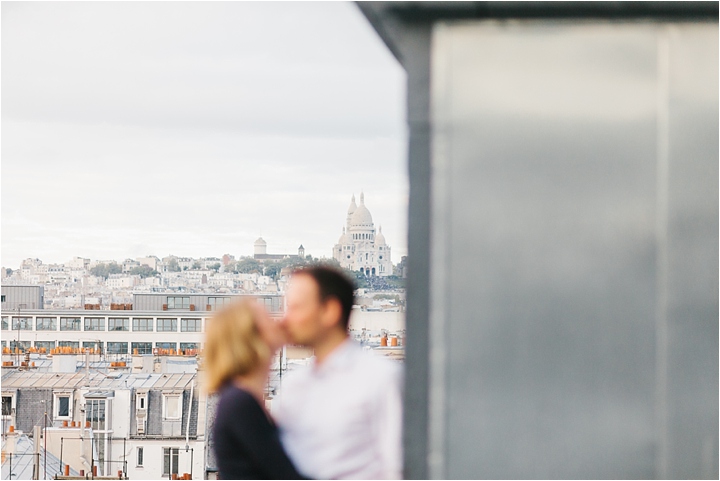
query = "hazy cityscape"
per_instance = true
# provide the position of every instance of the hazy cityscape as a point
(82, 281)
(93, 334)
(113, 350)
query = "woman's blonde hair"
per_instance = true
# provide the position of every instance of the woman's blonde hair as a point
(233, 345)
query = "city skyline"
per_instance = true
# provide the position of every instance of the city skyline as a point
(134, 129)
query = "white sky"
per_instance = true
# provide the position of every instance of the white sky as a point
(192, 128)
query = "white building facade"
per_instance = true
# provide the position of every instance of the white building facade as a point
(360, 247)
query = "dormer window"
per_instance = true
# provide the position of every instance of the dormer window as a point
(141, 401)
(8, 405)
(171, 406)
(63, 405)
(141, 411)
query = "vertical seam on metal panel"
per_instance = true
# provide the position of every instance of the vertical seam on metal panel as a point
(661, 260)
(438, 279)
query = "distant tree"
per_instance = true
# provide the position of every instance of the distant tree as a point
(144, 271)
(295, 262)
(104, 270)
(248, 265)
(8, 272)
(390, 297)
(216, 266)
(231, 267)
(173, 266)
(331, 262)
(395, 282)
(196, 265)
(273, 270)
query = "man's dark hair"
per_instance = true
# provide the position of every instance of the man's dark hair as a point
(332, 283)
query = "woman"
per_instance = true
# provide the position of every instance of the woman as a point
(240, 342)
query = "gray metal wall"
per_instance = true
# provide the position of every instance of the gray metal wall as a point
(574, 250)
(154, 302)
(22, 297)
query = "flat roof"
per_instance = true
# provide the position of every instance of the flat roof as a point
(95, 381)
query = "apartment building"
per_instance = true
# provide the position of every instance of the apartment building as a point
(168, 321)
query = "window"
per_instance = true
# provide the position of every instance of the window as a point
(141, 347)
(118, 324)
(141, 401)
(93, 345)
(190, 325)
(184, 346)
(140, 456)
(69, 323)
(117, 347)
(7, 405)
(74, 344)
(63, 406)
(4, 323)
(171, 407)
(266, 301)
(170, 464)
(178, 303)
(22, 323)
(166, 345)
(167, 325)
(47, 345)
(21, 346)
(216, 303)
(95, 413)
(94, 323)
(45, 323)
(142, 324)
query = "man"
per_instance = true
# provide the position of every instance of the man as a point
(341, 417)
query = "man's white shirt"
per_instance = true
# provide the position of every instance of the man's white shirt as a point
(342, 419)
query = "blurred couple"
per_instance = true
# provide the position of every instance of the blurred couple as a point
(338, 418)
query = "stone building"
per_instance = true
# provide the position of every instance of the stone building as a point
(360, 248)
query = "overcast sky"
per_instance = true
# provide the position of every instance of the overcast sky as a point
(134, 128)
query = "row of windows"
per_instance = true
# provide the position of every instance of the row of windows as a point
(112, 347)
(98, 324)
(62, 406)
(362, 236)
(352, 248)
(171, 458)
(95, 408)
(214, 303)
(184, 302)
(178, 303)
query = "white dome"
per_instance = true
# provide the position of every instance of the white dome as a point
(361, 217)
(344, 239)
(353, 206)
